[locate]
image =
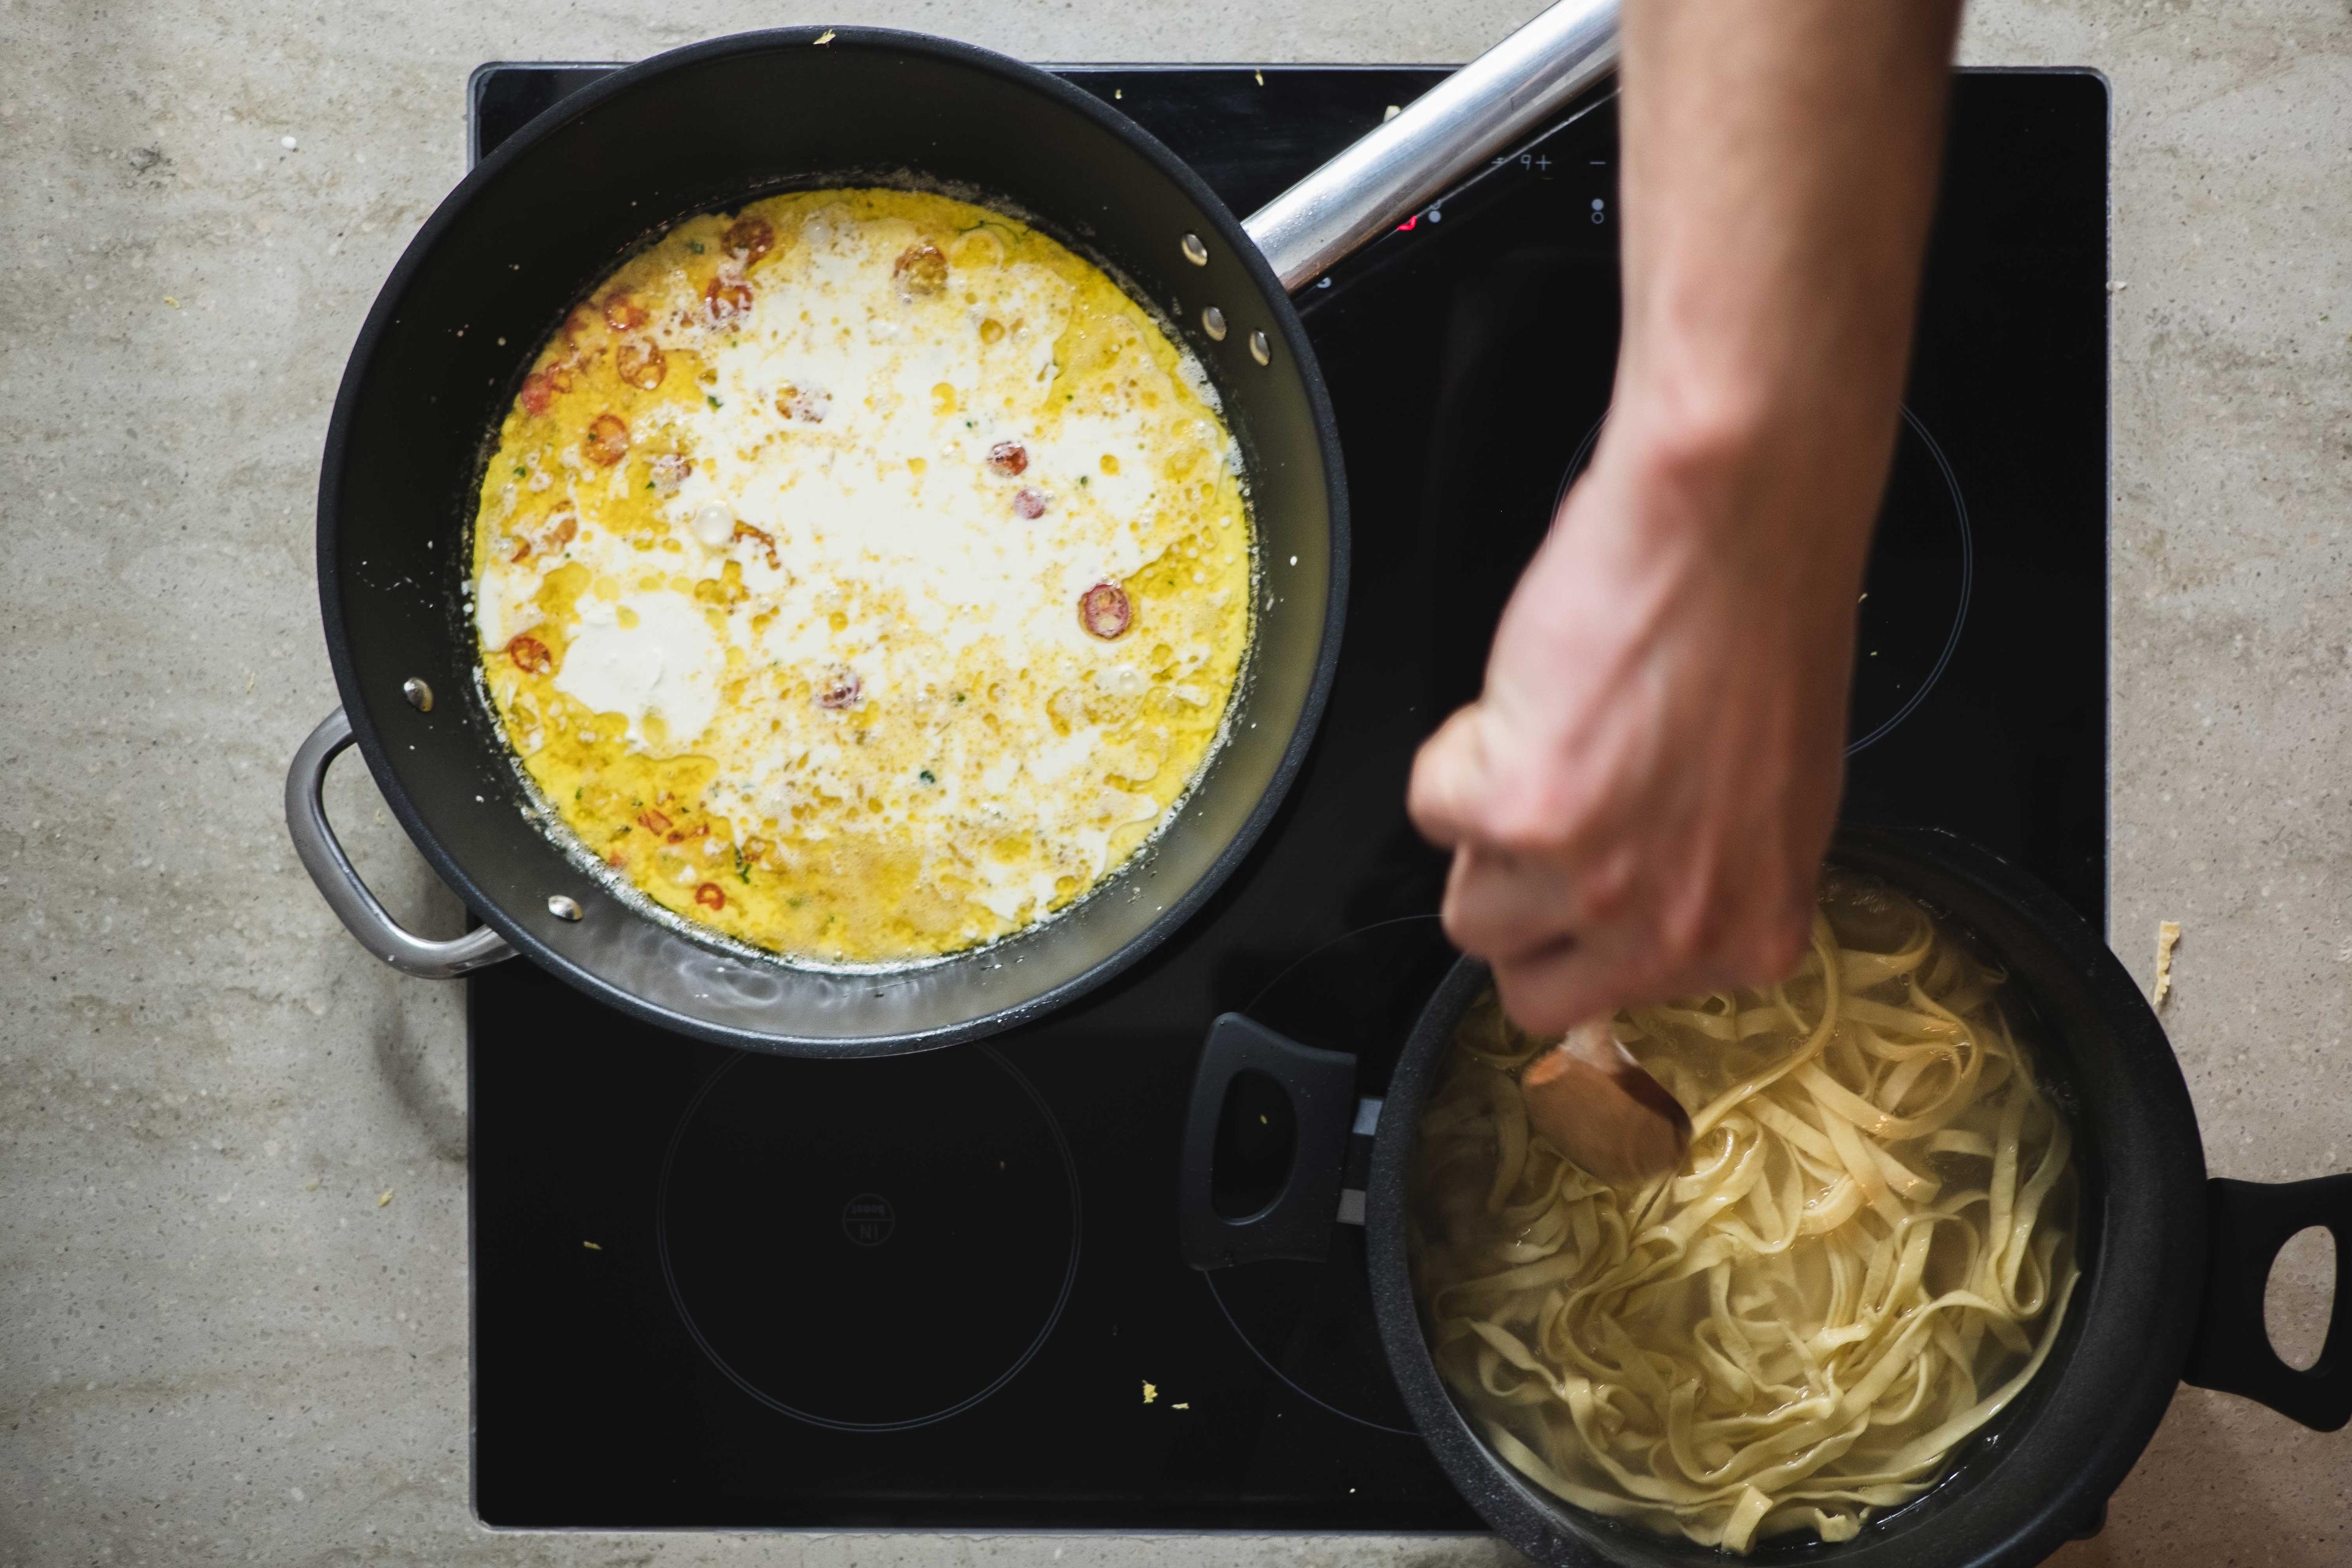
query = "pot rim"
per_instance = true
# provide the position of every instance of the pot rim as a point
(2074, 1433)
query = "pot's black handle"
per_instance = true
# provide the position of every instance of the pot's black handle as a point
(2249, 1221)
(1296, 1223)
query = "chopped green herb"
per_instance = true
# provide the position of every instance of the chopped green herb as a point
(650, 484)
(927, 776)
(1084, 478)
(968, 424)
(694, 246)
(712, 401)
(959, 696)
(520, 471)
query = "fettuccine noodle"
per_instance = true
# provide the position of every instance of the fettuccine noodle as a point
(1864, 1258)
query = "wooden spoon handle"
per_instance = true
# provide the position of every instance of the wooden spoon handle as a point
(1600, 1108)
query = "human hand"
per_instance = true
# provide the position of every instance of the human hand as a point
(1638, 800)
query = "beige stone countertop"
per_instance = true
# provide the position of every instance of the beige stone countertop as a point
(218, 1346)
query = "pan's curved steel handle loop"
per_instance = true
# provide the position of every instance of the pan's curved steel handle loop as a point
(339, 881)
(1479, 110)
(2249, 1221)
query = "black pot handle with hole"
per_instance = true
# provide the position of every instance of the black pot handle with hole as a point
(1295, 1220)
(2248, 1223)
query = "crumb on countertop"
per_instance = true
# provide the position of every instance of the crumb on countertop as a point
(2168, 936)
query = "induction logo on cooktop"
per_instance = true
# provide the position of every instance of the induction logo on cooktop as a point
(868, 1219)
(776, 1160)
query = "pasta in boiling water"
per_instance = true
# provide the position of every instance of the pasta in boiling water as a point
(1865, 1254)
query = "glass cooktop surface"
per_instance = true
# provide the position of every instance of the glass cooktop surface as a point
(721, 1289)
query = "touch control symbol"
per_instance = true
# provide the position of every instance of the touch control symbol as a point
(868, 1219)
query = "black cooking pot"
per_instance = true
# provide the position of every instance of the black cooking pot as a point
(549, 213)
(2174, 1266)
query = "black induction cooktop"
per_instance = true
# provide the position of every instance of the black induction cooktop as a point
(943, 1292)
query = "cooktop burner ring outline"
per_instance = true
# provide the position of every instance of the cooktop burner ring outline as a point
(1029, 1352)
(1250, 1346)
(1919, 427)
(1224, 1308)
(1304, 959)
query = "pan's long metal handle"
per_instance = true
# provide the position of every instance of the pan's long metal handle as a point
(1480, 110)
(322, 855)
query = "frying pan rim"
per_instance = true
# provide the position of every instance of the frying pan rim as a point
(389, 301)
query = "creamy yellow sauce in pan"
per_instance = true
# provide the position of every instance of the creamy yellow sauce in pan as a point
(863, 575)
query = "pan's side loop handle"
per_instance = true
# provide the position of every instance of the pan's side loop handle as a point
(1297, 1222)
(2249, 1221)
(339, 881)
(1505, 94)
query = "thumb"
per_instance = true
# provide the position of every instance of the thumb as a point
(1449, 778)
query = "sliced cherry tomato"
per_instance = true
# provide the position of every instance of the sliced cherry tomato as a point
(1104, 610)
(607, 441)
(751, 237)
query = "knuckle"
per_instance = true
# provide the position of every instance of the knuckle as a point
(1605, 889)
(1519, 822)
(1685, 938)
(1463, 913)
(1766, 952)
(1784, 945)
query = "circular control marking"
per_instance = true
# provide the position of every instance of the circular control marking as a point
(816, 1218)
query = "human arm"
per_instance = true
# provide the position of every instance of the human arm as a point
(1638, 800)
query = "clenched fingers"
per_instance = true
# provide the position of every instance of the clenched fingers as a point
(1451, 779)
(1552, 989)
(1499, 906)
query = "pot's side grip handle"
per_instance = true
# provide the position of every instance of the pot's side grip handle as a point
(1322, 1088)
(339, 880)
(2249, 1222)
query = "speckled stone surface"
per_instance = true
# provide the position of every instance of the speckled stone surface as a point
(233, 1299)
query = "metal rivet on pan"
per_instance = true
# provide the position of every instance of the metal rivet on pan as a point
(1260, 350)
(1194, 251)
(419, 695)
(1213, 322)
(563, 906)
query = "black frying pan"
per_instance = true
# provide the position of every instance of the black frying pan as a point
(552, 212)
(2173, 1266)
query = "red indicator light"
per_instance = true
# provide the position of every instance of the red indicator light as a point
(1407, 224)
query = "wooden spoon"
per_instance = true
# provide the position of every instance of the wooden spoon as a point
(1601, 1110)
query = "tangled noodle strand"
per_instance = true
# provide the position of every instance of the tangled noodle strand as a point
(1864, 1258)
